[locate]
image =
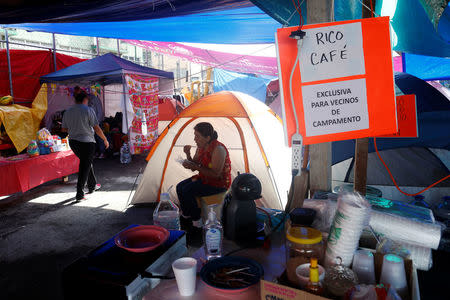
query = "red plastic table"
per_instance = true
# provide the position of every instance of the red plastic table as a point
(22, 173)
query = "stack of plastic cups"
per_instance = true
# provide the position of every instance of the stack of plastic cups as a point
(393, 273)
(352, 215)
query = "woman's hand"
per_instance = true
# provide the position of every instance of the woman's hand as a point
(190, 165)
(187, 149)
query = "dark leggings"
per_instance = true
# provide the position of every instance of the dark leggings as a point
(188, 190)
(85, 152)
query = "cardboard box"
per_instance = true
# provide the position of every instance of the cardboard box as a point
(284, 291)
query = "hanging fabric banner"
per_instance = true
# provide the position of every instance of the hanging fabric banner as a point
(228, 61)
(143, 95)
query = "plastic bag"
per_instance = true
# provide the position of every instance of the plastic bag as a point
(325, 212)
(44, 135)
(32, 149)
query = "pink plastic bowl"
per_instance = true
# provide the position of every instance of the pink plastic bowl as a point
(142, 238)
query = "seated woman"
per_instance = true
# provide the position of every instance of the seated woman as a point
(212, 161)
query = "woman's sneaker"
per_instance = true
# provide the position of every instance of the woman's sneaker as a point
(97, 187)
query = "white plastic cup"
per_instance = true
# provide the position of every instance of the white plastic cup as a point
(363, 266)
(393, 273)
(185, 270)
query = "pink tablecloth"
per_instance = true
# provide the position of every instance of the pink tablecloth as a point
(26, 173)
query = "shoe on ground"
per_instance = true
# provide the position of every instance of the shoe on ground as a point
(96, 188)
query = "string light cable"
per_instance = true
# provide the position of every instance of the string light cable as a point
(395, 182)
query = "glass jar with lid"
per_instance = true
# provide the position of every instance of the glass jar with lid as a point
(302, 244)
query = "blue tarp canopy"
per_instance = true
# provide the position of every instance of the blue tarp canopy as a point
(414, 31)
(418, 26)
(433, 113)
(245, 83)
(426, 67)
(57, 11)
(247, 25)
(105, 69)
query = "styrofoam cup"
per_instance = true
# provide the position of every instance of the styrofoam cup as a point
(393, 273)
(363, 266)
(185, 270)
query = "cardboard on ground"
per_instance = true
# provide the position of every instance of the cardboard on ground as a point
(406, 117)
(343, 85)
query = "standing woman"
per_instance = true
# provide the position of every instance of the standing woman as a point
(212, 161)
(81, 123)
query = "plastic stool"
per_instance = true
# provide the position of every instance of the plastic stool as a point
(205, 201)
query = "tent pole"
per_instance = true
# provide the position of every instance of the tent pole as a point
(9, 65)
(54, 52)
(118, 47)
(98, 49)
(125, 105)
(320, 11)
(104, 103)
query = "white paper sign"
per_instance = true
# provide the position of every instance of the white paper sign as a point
(332, 52)
(335, 107)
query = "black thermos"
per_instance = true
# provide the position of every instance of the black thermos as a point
(240, 213)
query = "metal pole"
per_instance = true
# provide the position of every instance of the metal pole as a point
(118, 47)
(178, 73)
(98, 48)
(125, 105)
(190, 73)
(9, 65)
(54, 52)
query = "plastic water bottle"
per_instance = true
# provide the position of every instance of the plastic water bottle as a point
(125, 155)
(213, 232)
(167, 214)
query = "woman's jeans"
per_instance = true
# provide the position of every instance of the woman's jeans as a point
(188, 190)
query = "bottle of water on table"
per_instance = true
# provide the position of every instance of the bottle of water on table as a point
(167, 214)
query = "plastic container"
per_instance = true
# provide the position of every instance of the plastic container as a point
(213, 235)
(167, 214)
(125, 155)
(302, 244)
